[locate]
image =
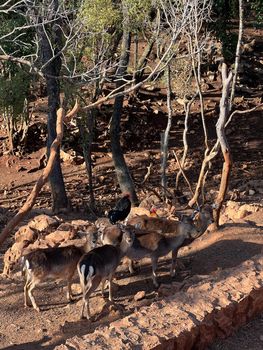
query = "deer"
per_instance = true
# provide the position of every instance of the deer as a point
(99, 265)
(49, 263)
(148, 243)
(52, 263)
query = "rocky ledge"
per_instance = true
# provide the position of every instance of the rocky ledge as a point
(190, 318)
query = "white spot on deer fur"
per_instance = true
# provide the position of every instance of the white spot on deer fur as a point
(82, 269)
(27, 265)
(91, 271)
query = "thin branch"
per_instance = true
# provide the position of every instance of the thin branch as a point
(182, 171)
(147, 174)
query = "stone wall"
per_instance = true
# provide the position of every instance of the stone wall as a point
(191, 318)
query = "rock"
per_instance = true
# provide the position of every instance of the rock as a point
(164, 290)
(139, 296)
(43, 223)
(76, 288)
(242, 213)
(61, 236)
(237, 210)
(65, 157)
(101, 178)
(251, 192)
(26, 233)
(12, 256)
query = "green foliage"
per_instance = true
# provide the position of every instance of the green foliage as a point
(257, 7)
(13, 91)
(99, 16)
(8, 23)
(139, 12)
(224, 11)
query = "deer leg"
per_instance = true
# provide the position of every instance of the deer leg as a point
(26, 298)
(103, 287)
(174, 256)
(91, 287)
(131, 266)
(30, 287)
(110, 288)
(69, 292)
(154, 268)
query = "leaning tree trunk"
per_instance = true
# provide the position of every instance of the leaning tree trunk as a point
(52, 70)
(122, 171)
(220, 129)
(28, 205)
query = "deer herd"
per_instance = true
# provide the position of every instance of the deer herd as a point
(136, 238)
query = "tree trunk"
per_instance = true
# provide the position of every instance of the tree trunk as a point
(166, 134)
(86, 129)
(238, 51)
(122, 171)
(59, 196)
(220, 129)
(52, 69)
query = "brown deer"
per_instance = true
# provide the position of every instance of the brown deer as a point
(50, 263)
(155, 245)
(99, 265)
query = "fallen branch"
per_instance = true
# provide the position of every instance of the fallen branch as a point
(43, 178)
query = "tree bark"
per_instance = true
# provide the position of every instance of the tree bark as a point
(122, 171)
(86, 129)
(238, 51)
(166, 134)
(59, 197)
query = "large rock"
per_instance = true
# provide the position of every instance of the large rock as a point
(238, 210)
(44, 232)
(192, 319)
(43, 223)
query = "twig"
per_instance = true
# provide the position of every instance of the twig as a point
(187, 181)
(242, 112)
(147, 174)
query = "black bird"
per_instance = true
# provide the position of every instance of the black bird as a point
(121, 210)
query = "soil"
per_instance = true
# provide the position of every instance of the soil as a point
(236, 241)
